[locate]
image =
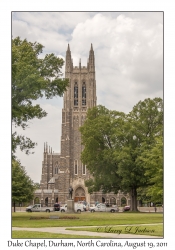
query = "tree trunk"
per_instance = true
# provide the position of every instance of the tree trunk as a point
(134, 199)
(14, 206)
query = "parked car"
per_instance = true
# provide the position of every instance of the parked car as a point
(126, 208)
(39, 208)
(28, 209)
(78, 207)
(103, 208)
(63, 208)
(56, 207)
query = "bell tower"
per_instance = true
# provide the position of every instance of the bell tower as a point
(79, 96)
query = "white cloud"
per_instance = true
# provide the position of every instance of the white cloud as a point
(49, 38)
(129, 56)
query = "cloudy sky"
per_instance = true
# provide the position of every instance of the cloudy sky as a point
(128, 49)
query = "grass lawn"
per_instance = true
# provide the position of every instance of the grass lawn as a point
(38, 220)
(43, 235)
(153, 230)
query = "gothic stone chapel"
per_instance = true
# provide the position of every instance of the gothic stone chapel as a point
(60, 171)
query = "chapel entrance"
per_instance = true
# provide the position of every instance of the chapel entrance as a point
(79, 194)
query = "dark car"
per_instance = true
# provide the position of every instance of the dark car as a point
(56, 207)
(126, 208)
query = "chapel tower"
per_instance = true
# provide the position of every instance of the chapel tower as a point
(80, 95)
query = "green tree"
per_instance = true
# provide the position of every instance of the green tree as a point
(32, 78)
(152, 160)
(145, 123)
(37, 185)
(22, 186)
(115, 144)
(101, 135)
(143, 197)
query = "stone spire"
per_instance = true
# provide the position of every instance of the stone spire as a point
(46, 148)
(91, 62)
(69, 64)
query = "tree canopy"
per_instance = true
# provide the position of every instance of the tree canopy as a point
(101, 133)
(115, 146)
(33, 77)
(22, 186)
(152, 161)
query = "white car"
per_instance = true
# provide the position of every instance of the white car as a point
(103, 208)
(78, 207)
(63, 208)
(28, 209)
(39, 208)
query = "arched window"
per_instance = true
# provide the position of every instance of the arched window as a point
(76, 94)
(75, 167)
(103, 200)
(36, 200)
(56, 168)
(84, 169)
(113, 201)
(46, 201)
(84, 94)
(123, 201)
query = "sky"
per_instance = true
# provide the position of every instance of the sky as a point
(128, 49)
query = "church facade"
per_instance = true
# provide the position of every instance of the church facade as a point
(65, 169)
